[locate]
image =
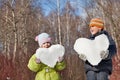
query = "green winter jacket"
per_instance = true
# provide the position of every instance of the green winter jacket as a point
(45, 72)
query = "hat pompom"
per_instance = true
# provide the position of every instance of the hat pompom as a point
(36, 38)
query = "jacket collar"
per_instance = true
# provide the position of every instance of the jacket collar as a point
(98, 33)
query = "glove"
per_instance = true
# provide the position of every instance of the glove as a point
(83, 57)
(60, 59)
(37, 60)
(104, 54)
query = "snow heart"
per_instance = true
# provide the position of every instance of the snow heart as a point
(92, 48)
(49, 56)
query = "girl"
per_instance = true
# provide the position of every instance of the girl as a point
(44, 72)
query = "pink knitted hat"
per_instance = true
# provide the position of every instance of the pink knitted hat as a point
(43, 38)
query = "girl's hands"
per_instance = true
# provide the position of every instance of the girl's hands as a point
(60, 59)
(37, 60)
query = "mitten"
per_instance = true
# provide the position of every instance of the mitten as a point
(104, 54)
(60, 59)
(37, 60)
(83, 57)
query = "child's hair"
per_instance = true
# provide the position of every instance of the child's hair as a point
(43, 38)
(97, 22)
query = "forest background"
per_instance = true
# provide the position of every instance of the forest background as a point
(64, 20)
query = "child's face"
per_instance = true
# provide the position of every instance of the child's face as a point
(94, 30)
(46, 45)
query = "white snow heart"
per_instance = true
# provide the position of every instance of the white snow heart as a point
(49, 56)
(92, 48)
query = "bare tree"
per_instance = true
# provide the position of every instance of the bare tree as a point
(59, 26)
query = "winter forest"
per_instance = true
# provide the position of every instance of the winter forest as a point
(64, 20)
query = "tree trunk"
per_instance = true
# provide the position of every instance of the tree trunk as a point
(15, 36)
(59, 26)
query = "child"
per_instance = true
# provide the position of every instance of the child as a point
(104, 68)
(45, 72)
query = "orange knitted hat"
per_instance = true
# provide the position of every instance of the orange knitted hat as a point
(96, 22)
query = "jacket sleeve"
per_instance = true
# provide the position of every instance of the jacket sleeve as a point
(112, 48)
(112, 51)
(32, 65)
(60, 65)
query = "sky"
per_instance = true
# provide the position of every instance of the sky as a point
(50, 5)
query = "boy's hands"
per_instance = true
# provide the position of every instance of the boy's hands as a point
(104, 54)
(83, 57)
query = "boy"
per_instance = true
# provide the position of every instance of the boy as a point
(45, 72)
(104, 68)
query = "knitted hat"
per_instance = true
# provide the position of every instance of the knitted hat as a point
(96, 22)
(43, 38)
